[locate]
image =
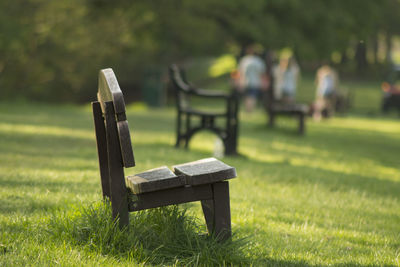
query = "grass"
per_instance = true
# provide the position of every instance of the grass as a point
(328, 198)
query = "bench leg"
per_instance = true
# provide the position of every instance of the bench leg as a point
(230, 144)
(271, 121)
(231, 141)
(178, 129)
(301, 124)
(188, 130)
(217, 211)
(119, 193)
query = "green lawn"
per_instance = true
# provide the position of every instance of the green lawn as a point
(331, 197)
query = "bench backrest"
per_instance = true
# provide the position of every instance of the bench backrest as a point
(181, 87)
(109, 92)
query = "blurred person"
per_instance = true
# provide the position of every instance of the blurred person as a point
(269, 59)
(252, 78)
(286, 75)
(327, 83)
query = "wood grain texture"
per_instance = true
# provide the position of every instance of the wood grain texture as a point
(209, 170)
(119, 194)
(209, 215)
(109, 90)
(126, 144)
(152, 180)
(101, 141)
(222, 211)
(171, 197)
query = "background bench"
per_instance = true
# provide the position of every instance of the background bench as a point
(187, 113)
(276, 108)
(203, 180)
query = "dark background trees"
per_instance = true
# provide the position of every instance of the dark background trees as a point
(51, 50)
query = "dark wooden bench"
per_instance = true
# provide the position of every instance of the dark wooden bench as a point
(203, 180)
(187, 113)
(275, 108)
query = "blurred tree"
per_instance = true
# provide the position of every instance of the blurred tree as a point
(52, 50)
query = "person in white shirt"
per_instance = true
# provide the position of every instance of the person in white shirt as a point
(252, 78)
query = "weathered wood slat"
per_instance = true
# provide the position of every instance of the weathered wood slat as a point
(222, 210)
(209, 215)
(171, 197)
(209, 170)
(101, 141)
(119, 194)
(109, 91)
(126, 145)
(153, 180)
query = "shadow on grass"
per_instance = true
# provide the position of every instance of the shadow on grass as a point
(330, 179)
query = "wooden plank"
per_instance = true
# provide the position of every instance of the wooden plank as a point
(170, 197)
(152, 180)
(109, 90)
(119, 194)
(101, 141)
(126, 144)
(205, 171)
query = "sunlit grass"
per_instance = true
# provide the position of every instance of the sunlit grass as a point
(328, 198)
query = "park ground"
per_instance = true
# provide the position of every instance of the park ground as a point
(331, 197)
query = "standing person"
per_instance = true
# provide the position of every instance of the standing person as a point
(327, 82)
(285, 80)
(252, 77)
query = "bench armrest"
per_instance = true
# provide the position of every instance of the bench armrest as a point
(210, 93)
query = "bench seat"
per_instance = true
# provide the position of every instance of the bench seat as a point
(296, 110)
(153, 180)
(290, 108)
(204, 113)
(205, 171)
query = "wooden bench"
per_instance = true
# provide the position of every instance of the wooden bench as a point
(296, 110)
(203, 180)
(187, 113)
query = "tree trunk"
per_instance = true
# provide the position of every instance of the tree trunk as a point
(375, 47)
(361, 57)
(388, 58)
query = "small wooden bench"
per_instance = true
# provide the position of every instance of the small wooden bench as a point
(296, 110)
(187, 113)
(203, 180)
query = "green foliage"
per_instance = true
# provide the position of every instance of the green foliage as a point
(50, 50)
